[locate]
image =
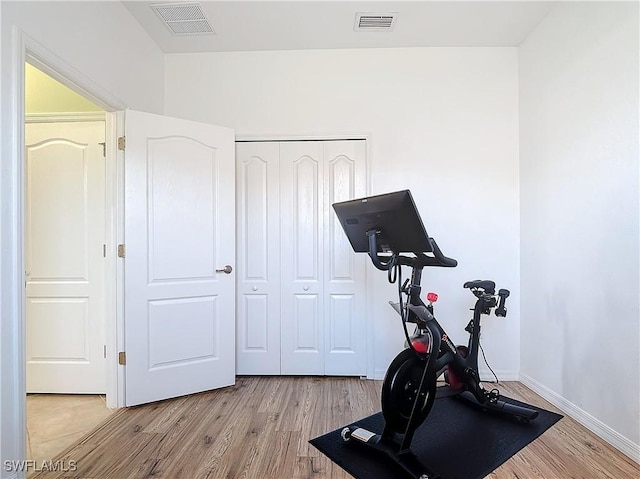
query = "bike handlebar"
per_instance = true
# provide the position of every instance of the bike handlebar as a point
(442, 259)
(384, 263)
(501, 310)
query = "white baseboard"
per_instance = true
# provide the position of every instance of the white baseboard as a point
(378, 374)
(503, 375)
(600, 429)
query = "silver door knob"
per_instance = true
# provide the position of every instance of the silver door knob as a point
(226, 270)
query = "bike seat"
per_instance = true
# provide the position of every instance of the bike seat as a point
(487, 285)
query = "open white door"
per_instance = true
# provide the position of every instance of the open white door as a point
(179, 236)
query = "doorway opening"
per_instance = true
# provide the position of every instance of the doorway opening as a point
(65, 267)
(34, 54)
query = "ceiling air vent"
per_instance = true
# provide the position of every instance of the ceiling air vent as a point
(183, 18)
(375, 22)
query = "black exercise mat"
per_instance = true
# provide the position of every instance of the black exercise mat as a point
(457, 441)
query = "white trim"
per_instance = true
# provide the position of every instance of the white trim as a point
(251, 137)
(378, 374)
(503, 375)
(119, 238)
(64, 117)
(110, 260)
(596, 426)
(114, 283)
(18, 181)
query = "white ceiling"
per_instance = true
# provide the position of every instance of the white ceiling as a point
(301, 25)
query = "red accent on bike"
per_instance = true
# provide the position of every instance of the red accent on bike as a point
(420, 346)
(454, 380)
(432, 297)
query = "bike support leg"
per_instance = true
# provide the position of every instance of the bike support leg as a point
(411, 427)
(414, 468)
(401, 453)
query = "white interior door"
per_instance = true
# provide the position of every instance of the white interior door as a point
(179, 234)
(258, 200)
(65, 270)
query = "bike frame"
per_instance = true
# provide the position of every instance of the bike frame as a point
(443, 351)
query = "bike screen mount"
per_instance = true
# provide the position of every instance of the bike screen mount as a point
(388, 223)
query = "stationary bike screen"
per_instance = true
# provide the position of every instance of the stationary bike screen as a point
(393, 215)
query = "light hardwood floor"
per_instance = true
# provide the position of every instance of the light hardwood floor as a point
(259, 429)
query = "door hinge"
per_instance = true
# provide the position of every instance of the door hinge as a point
(122, 143)
(104, 351)
(104, 250)
(121, 251)
(122, 358)
(104, 148)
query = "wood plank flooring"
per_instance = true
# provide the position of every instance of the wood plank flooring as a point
(259, 429)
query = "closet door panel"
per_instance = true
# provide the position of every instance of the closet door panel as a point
(302, 211)
(344, 271)
(258, 236)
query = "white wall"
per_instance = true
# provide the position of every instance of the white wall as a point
(579, 171)
(440, 121)
(105, 46)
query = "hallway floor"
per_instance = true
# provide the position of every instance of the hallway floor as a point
(56, 421)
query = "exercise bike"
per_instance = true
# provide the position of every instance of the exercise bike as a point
(385, 226)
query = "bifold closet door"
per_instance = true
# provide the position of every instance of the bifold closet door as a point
(258, 258)
(301, 289)
(323, 280)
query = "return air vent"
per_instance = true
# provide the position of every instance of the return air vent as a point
(375, 22)
(183, 18)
